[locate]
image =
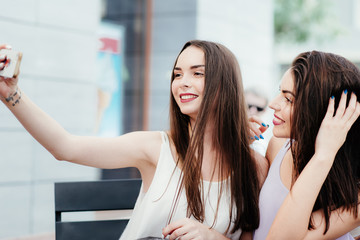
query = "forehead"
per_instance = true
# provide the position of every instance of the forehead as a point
(191, 56)
(287, 81)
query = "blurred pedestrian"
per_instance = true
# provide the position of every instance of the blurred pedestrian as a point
(257, 103)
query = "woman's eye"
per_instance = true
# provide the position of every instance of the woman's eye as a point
(177, 75)
(288, 100)
(199, 74)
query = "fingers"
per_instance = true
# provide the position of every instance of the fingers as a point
(342, 105)
(185, 229)
(331, 108)
(5, 46)
(3, 57)
(345, 115)
(182, 232)
(174, 230)
(169, 229)
(2, 61)
(255, 130)
(255, 119)
(263, 127)
(355, 113)
(350, 110)
(255, 133)
(348, 114)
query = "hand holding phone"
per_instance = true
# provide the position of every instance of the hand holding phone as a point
(11, 63)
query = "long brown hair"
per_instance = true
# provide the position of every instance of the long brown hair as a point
(317, 77)
(224, 105)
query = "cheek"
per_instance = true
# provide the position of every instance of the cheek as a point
(173, 88)
(288, 118)
(288, 113)
(202, 85)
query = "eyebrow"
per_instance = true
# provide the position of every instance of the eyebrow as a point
(192, 67)
(287, 91)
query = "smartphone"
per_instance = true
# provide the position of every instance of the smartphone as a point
(12, 63)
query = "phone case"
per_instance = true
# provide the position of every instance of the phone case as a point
(12, 63)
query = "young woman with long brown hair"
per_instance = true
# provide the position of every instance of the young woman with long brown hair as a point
(312, 188)
(200, 179)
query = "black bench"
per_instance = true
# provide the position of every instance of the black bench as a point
(120, 194)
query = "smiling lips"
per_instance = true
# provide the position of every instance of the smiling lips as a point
(187, 97)
(277, 120)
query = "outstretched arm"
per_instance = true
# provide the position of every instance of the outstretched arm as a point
(130, 150)
(292, 219)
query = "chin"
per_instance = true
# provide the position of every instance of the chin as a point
(280, 134)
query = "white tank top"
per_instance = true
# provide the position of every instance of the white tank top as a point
(152, 208)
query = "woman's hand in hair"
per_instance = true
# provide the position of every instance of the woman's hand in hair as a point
(186, 229)
(335, 126)
(257, 128)
(292, 219)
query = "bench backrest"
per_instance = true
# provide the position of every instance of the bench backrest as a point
(119, 194)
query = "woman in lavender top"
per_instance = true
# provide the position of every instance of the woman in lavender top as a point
(312, 189)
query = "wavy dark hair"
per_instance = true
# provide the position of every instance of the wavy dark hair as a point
(317, 77)
(224, 105)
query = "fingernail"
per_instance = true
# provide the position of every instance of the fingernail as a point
(332, 97)
(261, 136)
(263, 124)
(345, 91)
(256, 137)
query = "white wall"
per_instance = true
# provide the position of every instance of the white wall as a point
(58, 40)
(246, 28)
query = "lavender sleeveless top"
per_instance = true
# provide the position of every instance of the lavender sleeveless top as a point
(273, 194)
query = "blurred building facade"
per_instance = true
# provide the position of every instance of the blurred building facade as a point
(59, 39)
(339, 16)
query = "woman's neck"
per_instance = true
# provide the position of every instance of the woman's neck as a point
(210, 165)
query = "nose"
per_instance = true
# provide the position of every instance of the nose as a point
(274, 103)
(186, 81)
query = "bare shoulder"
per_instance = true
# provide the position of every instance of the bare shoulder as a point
(151, 140)
(274, 146)
(142, 145)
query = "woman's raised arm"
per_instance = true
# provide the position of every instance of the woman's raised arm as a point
(292, 219)
(130, 150)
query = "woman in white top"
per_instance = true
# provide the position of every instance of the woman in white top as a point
(200, 178)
